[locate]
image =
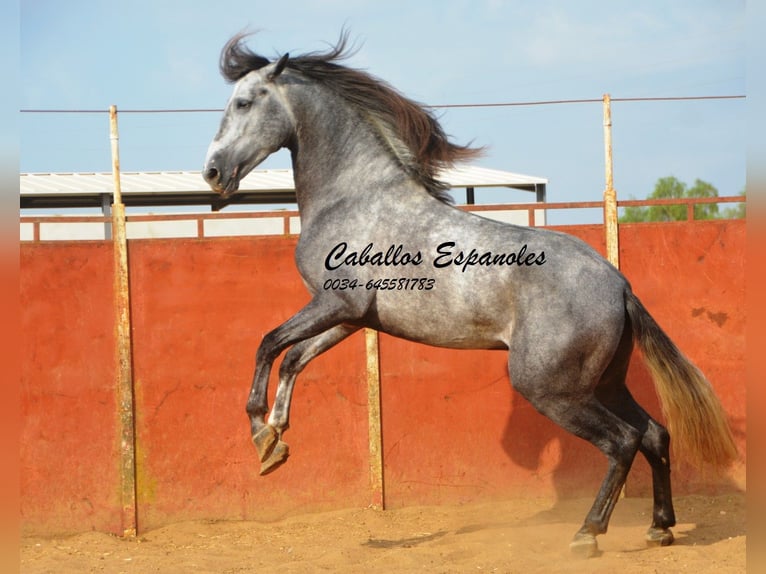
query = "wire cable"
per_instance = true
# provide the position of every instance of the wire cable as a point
(442, 106)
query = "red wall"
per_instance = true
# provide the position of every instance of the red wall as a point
(691, 277)
(453, 429)
(69, 455)
(200, 309)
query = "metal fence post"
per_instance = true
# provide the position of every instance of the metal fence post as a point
(124, 343)
(610, 195)
(374, 418)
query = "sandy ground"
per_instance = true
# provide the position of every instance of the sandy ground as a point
(513, 536)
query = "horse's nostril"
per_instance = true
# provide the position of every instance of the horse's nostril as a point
(211, 175)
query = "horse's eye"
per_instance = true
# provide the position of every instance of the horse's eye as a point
(242, 104)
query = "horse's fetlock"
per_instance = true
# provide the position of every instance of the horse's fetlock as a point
(256, 411)
(664, 520)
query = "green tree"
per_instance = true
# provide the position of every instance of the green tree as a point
(671, 188)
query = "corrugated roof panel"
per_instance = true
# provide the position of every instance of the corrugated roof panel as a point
(258, 180)
(186, 188)
(474, 176)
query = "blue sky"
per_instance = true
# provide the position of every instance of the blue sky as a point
(163, 54)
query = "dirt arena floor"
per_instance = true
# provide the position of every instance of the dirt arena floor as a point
(522, 536)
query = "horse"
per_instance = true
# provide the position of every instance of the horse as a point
(383, 247)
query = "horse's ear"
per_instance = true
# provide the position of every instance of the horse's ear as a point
(279, 67)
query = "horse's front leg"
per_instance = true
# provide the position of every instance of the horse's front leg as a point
(294, 362)
(318, 316)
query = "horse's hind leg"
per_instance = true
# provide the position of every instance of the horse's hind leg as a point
(655, 444)
(272, 449)
(655, 440)
(574, 407)
(619, 442)
(655, 448)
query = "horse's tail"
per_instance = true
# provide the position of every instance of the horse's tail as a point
(695, 418)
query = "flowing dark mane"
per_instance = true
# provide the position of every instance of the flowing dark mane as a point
(410, 129)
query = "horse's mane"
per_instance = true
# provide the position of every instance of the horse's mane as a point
(409, 129)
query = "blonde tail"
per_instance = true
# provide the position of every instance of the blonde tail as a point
(696, 420)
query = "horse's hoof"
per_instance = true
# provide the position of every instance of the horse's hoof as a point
(265, 440)
(584, 545)
(279, 454)
(659, 537)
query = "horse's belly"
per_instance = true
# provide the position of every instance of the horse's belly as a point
(444, 323)
(450, 340)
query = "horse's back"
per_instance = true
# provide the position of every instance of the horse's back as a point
(489, 279)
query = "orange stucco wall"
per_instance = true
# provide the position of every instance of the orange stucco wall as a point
(69, 455)
(200, 309)
(453, 429)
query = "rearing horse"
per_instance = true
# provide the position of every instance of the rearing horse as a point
(381, 247)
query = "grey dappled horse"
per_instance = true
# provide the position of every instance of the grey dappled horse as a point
(381, 247)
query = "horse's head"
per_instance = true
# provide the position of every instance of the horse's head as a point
(257, 122)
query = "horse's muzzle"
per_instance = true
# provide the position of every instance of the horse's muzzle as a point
(212, 176)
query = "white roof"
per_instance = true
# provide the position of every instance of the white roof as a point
(145, 182)
(475, 176)
(175, 187)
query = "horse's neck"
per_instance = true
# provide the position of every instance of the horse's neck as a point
(337, 155)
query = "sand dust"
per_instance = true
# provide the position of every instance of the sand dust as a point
(522, 536)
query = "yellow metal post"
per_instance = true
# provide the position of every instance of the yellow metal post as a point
(610, 195)
(124, 343)
(374, 417)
